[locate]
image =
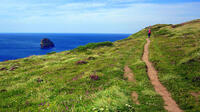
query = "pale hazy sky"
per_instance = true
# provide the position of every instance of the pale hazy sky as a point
(92, 16)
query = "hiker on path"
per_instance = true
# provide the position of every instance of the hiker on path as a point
(149, 33)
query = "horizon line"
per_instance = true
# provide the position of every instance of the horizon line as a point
(56, 33)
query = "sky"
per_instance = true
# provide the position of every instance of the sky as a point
(92, 16)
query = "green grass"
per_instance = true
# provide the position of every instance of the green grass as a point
(93, 45)
(177, 59)
(55, 82)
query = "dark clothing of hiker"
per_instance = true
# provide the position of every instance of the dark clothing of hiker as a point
(149, 33)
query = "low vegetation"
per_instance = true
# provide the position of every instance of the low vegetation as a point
(177, 59)
(90, 78)
(80, 81)
(93, 45)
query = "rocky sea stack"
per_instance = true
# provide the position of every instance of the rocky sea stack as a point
(46, 43)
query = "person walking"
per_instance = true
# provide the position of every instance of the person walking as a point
(149, 33)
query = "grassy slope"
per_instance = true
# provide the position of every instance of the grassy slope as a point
(67, 86)
(175, 53)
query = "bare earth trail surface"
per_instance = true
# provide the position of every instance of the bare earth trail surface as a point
(129, 74)
(170, 104)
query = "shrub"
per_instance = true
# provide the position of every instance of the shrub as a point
(51, 53)
(94, 45)
(39, 80)
(1, 69)
(94, 77)
(81, 62)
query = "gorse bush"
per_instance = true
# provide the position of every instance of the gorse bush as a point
(94, 45)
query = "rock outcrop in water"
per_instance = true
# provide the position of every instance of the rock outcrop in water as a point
(46, 43)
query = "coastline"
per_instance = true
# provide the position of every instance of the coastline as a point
(72, 40)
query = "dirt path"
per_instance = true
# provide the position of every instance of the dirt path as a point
(129, 74)
(170, 104)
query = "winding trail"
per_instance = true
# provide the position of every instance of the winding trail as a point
(170, 104)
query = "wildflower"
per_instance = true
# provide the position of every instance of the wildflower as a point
(66, 107)
(128, 105)
(94, 77)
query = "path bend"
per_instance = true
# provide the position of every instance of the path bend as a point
(170, 104)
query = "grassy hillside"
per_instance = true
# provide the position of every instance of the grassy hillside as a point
(90, 78)
(175, 52)
(61, 81)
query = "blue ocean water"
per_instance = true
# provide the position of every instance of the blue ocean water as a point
(20, 45)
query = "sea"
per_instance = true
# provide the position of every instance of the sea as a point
(19, 45)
